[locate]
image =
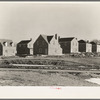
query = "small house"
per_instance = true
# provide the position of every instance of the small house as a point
(7, 47)
(85, 46)
(69, 45)
(47, 45)
(25, 47)
(94, 46)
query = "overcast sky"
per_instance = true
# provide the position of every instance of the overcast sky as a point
(19, 21)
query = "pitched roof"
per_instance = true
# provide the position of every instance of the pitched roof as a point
(2, 41)
(66, 39)
(93, 43)
(24, 42)
(47, 38)
(82, 41)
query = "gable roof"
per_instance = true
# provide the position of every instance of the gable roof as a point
(2, 41)
(24, 42)
(93, 43)
(66, 39)
(82, 41)
(47, 38)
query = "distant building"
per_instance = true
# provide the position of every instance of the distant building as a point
(98, 47)
(25, 47)
(94, 46)
(7, 47)
(85, 46)
(47, 45)
(69, 45)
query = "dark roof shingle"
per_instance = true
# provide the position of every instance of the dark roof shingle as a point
(93, 43)
(24, 42)
(47, 38)
(66, 39)
(82, 41)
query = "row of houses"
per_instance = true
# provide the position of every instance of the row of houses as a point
(47, 45)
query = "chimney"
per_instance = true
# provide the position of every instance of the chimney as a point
(56, 36)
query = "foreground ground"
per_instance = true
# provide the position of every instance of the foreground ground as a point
(72, 71)
(43, 78)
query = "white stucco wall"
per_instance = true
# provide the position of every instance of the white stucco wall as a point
(88, 47)
(74, 46)
(30, 46)
(98, 48)
(54, 47)
(9, 51)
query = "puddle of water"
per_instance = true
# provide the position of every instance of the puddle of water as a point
(94, 80)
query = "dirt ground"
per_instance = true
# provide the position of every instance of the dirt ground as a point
(42, 78)
(45, 78)
(66, 63)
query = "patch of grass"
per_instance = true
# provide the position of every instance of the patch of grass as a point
(62, 63)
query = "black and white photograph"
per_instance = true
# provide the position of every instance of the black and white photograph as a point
(50, 44)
